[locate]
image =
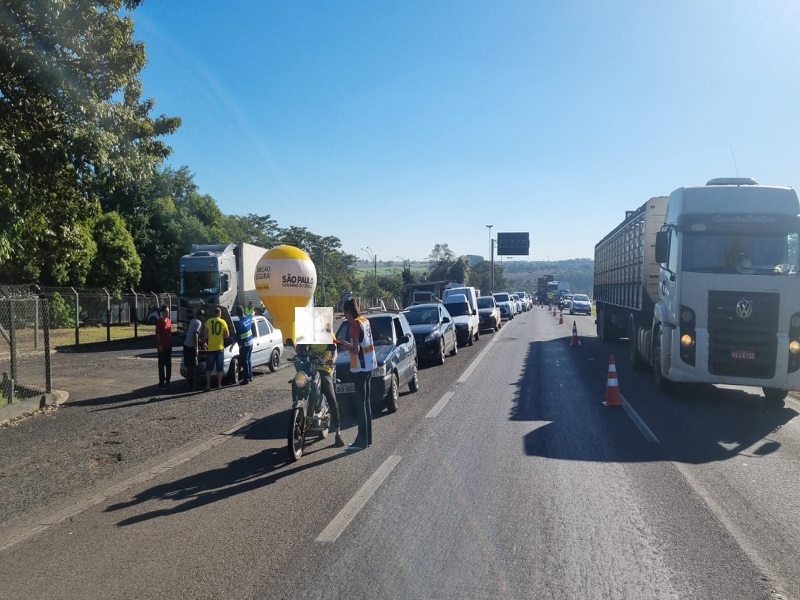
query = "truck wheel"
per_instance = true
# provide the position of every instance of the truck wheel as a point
(662, 383)
(633, 344)
(774, 394)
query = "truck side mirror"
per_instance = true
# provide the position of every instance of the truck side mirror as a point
(662, 247)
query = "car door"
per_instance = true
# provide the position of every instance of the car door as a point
(261, 341)
(448, 329)
(406, 350)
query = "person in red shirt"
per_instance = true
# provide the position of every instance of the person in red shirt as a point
(164, 347)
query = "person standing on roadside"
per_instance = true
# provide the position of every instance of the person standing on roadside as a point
(244, 335)
(362, 362)
(164, 347)
(191, 346)
(217, 330)
(249, 310)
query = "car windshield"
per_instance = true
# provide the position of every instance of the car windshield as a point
(381, 330)
(502, 297)
(458, 309)
(422, 316)
(484, 302)
(580, 298)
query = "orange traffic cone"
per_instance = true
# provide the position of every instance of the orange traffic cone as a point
(574, 341)
(613, 397)
(561, 318)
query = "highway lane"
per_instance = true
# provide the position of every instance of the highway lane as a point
(522, 485)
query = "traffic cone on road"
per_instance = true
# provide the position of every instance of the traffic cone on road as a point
(561, 318)
(574, 341)
(613, 397)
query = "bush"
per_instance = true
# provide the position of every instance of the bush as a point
(62, 315)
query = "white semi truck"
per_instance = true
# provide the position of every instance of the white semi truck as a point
(218, 274)
(705, 285)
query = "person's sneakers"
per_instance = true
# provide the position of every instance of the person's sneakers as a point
(244, 382)
(339, 442)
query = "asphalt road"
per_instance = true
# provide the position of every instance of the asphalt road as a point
(503, 477)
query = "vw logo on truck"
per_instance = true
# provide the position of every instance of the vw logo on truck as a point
(744, 308)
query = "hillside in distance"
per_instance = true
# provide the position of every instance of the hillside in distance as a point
(577, 273)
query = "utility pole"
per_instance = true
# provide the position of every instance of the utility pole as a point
(491, 249)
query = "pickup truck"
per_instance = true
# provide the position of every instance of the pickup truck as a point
(267, 349)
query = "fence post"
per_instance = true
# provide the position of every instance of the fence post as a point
(36, 325)
(48, 373)
(108, 315)
(12, 336)
(77, 317)
(135, 314)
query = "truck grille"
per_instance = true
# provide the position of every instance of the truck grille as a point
(742, 346)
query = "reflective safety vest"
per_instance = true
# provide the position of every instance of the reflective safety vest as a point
(244, 330)
(365, 359)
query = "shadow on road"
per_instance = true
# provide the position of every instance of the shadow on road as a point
(562, 388)
(240, 476)
(145, 395)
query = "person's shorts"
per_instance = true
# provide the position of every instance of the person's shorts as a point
(189, 357)
(215, 360)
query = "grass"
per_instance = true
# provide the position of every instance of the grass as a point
(88, 335)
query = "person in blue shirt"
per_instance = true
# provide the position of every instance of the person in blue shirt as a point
(244, 335)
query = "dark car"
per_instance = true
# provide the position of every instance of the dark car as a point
(397, 361)
(434, 331)
(489, 313)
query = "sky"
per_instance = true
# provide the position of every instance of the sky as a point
(397, 125)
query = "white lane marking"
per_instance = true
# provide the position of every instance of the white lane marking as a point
(476, 361)
(23, 533)
(637, 420)
(439, 406)
(357, 502)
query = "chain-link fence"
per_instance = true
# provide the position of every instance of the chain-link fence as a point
(24, 346)
(81, 315)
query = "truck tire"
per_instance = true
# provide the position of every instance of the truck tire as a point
(633, 343)
(662, 383)
(605, 328)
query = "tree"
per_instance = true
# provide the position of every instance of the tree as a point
(73, 129)
(441, 253)
(117, 265)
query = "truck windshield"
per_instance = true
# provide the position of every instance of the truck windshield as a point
(199, 283)
(741, 254)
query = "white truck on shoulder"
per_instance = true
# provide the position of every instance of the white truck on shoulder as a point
(705, 284)
(218, 274)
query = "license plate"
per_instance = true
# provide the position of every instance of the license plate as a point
(743, 354)
(345, 388)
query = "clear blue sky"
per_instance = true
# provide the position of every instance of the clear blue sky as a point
(431, 119)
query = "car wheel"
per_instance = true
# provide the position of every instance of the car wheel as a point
(274, 359)
(477, 334)
(413, 385)
(440, 358)
(394, 395)
(470, 339)
(233, 370)
(454, 351)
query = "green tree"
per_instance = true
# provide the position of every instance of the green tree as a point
(73, 129)
(117, 265)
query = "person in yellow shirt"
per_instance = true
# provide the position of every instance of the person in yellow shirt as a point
(217, 331)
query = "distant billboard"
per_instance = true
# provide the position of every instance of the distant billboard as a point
(513, 244)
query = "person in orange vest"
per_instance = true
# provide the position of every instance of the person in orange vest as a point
(362, 362)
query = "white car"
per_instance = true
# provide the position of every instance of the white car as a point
(267, 349)
(580, 303)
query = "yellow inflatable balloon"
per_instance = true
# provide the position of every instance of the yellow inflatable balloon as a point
(285, 279)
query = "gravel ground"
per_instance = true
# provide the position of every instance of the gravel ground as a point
(115, 423)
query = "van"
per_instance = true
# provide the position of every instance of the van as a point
(465, 316)
(469, 292)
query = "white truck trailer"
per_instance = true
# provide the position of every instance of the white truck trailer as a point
(220, 274)
(705, 285)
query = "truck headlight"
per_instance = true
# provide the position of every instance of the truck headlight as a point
(687, 341)
(794, 347)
